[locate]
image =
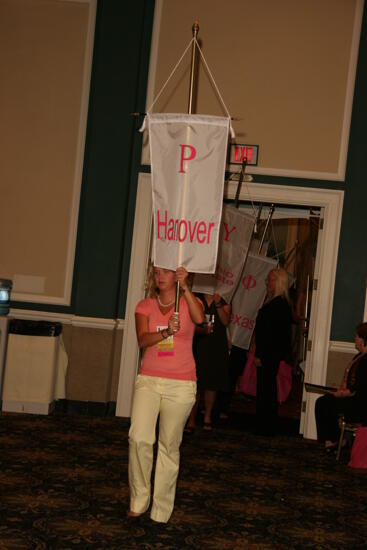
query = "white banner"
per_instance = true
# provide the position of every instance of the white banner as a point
(188, 159)
(234, 242)
(248, 299)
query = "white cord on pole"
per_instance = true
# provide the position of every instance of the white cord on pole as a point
(211, 77)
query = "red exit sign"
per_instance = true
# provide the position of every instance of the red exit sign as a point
(238, 152)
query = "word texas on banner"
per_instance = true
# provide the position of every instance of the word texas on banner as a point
(248, 299)
(234, 242)
(188, 159)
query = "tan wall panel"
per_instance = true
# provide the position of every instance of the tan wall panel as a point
(281, 67)
(42, 57)
(337, 363)
(90, 353)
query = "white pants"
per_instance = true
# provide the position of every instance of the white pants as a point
(173, 401)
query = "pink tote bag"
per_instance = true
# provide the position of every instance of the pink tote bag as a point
(358, 458)
(248, 379)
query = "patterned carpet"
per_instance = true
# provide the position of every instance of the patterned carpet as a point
(63, 485)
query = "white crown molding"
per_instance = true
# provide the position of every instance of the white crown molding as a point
(287, 173)
(120, 324)
(68, 319)
(41, 298)
(342, 347)
(94, 322)
(289, 195)
(33, 315)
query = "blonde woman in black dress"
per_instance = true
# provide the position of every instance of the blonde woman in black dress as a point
(273, 344)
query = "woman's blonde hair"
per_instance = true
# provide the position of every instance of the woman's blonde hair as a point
(151, 289)
(281, 282)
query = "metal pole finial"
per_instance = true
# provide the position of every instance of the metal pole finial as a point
(195, 30)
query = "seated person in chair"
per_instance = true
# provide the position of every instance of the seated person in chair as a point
(349, 400)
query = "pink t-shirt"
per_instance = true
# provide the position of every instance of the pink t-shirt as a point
(172, 357)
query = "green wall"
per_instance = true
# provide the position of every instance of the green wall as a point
(352, 260)
(120, 68)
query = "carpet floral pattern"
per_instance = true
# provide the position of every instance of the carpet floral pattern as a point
(63, 485)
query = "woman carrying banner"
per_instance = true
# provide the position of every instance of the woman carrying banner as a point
(165, 386)
(349, 399)
(273, 344)
(211, 355)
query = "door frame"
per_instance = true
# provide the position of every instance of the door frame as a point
(331, 200)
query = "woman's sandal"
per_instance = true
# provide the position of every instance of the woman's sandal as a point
(207, 427)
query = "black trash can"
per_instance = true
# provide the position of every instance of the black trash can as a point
(34, 328)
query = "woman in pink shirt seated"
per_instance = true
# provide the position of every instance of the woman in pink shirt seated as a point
(165, 386)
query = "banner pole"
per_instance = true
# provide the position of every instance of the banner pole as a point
(236, 205)
(195, 30)
(258, 217)
(271, 210)
(240, 180)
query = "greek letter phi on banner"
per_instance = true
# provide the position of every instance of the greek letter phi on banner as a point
(248, 299)
(188, 159)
